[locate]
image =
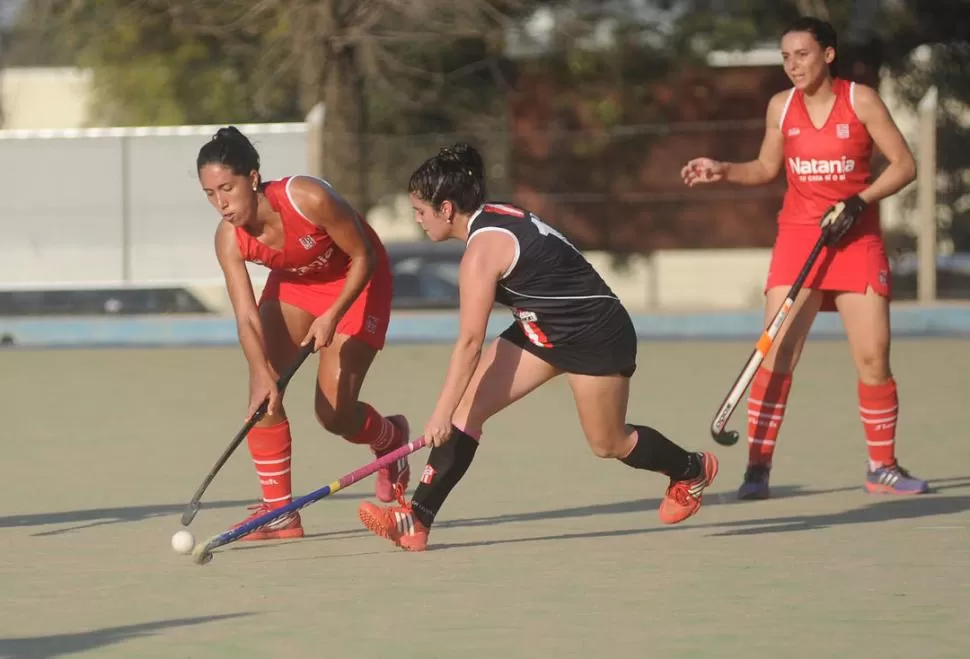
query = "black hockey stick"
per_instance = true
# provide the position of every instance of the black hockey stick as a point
(730, 437)
(194, 504)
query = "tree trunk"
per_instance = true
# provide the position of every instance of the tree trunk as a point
(3, 57)
(343, 155)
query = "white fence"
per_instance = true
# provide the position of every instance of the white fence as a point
(117, 206)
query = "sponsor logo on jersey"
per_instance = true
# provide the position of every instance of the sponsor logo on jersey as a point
(813, 170)
(316, 265)
(308, 242)
(525, 316)
(793, 132)
(842, 131)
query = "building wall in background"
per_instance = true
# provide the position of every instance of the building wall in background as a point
(44, 98)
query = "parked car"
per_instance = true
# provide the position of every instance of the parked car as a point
(952, 276)
(425, 274)
(99, 301)
(425, 277)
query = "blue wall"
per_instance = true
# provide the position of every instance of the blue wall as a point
(950, 320)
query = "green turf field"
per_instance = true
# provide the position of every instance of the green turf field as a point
(543, 551)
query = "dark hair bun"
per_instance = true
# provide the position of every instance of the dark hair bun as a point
(230, 133)
(465, 155)
(231, 148)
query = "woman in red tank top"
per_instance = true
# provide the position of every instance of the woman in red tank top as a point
(329, 283)
(822, 130)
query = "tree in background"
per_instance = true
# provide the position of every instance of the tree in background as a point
(923, 44)
(383, 67)
(376, 65)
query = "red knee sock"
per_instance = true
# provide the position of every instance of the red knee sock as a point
(766, 411)
(377, 432)
(271, 450)
(879, 409)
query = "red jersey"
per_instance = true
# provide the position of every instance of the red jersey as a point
(308, 250)
(824, 165)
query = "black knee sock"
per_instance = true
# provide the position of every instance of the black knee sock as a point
(446, 465)
(654, 452)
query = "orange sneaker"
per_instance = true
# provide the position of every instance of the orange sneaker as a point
(397, 472)
(395, 523)
(684, 498)
(283, 528)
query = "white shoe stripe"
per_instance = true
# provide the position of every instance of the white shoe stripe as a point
(281, 521)
(405, 523)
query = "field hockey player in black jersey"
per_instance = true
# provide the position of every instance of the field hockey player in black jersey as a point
(567, 321)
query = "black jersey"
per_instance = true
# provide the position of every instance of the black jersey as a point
(557, 297)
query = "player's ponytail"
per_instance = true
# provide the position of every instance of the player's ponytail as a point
(230, 148)
(823, 32)
(456, 174)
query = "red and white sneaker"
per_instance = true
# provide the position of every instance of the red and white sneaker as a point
(684, 498)
(395, 523)
(398, 472)
(283, 528)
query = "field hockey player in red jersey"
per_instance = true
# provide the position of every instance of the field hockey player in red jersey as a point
(329, 283)
(822, 131)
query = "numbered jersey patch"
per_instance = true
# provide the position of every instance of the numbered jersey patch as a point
(553, 291)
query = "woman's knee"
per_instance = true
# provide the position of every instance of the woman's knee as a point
(468, 415)
(787, 349)
(340, 419)
(783, 357)
(866, 321)
(611, 444)
(790, 340)
(492, 389)
(872, 363)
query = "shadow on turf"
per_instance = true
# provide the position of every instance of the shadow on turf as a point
(84, 519)
(882, 509)
(57, 645)
(622, 507)
(879, 509)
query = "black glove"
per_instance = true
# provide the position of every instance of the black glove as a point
(838, 219)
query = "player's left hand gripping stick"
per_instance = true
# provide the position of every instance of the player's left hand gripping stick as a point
(202, 553)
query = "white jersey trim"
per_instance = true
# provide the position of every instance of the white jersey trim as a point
(784, 110)
(471, 221)
(852, 97)
(518, 250)
(289, 194)
(560, 297)
(323, 183)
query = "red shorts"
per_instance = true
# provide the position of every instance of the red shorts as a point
(850, 267)
(366, 319)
